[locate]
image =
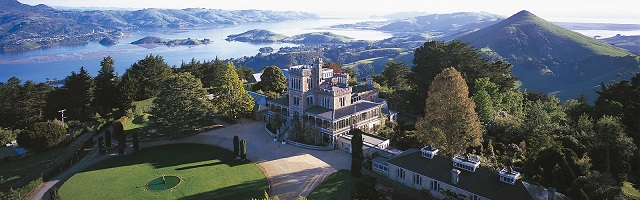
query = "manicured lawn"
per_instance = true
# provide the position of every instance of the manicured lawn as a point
(207, 172)
(337, 186)
(628, 189)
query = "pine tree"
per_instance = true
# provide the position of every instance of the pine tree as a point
(106, 93)
(243, 149)
(356, 152)
(31, 103)
(448, 109)
(229, 95)
(144, 78)
(9, 98)
(181, 105)
(80, 87)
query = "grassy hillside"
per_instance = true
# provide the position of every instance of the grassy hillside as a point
(318, 37)
(551, 59)
(257, 35)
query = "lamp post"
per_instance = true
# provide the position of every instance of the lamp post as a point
(62, 113)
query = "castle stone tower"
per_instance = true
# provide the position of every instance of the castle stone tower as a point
(317, 72)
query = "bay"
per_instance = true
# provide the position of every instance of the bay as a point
(59, 61)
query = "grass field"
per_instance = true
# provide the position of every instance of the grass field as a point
(337, 186)
(207, 172)
(628, 189)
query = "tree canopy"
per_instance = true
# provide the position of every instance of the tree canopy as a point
(143, 79)
(42, 135)
(106, 93)
(181, 105)
(229, 96)
(273, 80)
(80, 87)
(450, 120)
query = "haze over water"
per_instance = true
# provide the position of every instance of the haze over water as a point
(59, 61)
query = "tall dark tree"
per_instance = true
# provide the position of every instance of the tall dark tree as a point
(434, 56)
(273, 80)
(236, 146)
(143, 79)
(243, 149)
(450, 120)
(181, 105)
(107, 93)
(80, 87)
(356, 152)
(107, 138)
(33, 99)
(9, 99)
(42, 135)
(244, 73)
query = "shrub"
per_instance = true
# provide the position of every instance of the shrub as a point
(42, 135)
(118, 128)
(236, 146)
(122, 143)
(243, 149)
(54, 194)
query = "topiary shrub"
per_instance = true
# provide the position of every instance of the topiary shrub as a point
(101, 148)
(122, 143)
(243, 149)
(54, 194)
(236, 146)
(136, 142)
(42, 135)
(107, 138)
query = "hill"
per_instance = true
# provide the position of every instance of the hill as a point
(257, 36)
(631, 43)
(265, 36)
(168, 42)
(551, 59)
(24, 27)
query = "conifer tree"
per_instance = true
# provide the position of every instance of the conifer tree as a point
(80, 87)
(449, 111)
(229, 95)
(106, 94)
(273, 80)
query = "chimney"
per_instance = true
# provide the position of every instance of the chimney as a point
(455, 174)
(551, 193)
(369, 81)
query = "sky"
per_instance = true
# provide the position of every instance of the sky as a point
(603, 11)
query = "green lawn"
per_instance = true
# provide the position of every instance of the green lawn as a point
(208, 172)
(628, 189)
(337, 186)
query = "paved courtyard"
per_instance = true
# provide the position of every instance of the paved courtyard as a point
(291, 171)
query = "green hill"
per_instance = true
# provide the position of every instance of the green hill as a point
(551, 59)
(257, 36)
(318, 38)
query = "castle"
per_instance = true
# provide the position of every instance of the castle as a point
(322, 97)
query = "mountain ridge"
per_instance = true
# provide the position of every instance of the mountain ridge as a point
(551, 59)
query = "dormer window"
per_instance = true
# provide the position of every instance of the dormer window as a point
(466, 162)
(508, 175)
(429, 151)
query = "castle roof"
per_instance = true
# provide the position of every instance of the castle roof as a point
(341, 112)
(483, 182)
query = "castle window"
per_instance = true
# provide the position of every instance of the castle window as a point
(296, 101)
(417, 179)
(400, 173)
(342, 101)
(309, 101)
